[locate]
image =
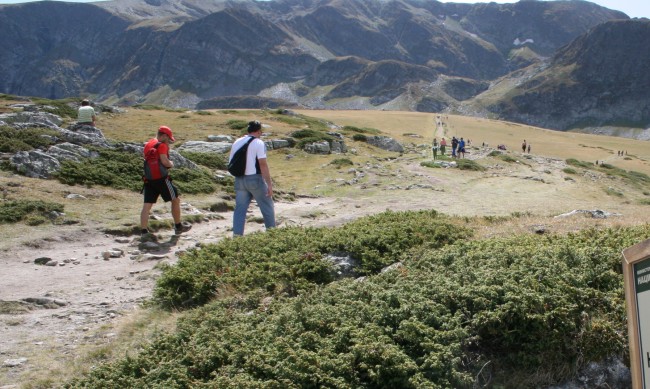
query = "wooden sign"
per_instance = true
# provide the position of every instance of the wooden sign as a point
(636, 274)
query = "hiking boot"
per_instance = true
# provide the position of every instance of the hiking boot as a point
(182, 227)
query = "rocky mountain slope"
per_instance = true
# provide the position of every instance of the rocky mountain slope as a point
(366, 54)
(600, 79)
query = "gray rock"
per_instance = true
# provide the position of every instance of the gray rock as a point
(344, 264)
(385, 143)
(279, 144)
(318, 148)
(46, 302)
(14, 362)
(205, 147)
(31, 119)
(84, 135)
(221, 138)
(69, 151)
(392, 267)
(35, 163)
(338, 147)
(74, 196)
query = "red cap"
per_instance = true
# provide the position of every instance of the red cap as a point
(167, 131)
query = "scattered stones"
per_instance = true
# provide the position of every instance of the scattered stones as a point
(596, 213)
(46, 302)
(122, 240)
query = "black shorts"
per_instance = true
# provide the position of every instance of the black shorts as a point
(163, 187)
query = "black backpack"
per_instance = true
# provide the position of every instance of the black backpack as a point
(237, 164)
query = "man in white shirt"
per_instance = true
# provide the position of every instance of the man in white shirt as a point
(255, 183)
(86, 114)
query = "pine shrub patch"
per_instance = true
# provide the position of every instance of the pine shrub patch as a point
(27, 210)
(122, 170)
(526, 311)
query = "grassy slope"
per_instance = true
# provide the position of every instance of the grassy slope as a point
(310, 174)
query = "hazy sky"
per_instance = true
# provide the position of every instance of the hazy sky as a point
(634, 8)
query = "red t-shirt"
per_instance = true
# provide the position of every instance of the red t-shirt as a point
(162, 149)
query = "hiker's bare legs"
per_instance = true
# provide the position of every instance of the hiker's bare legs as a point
(144, 215)
(176, 210)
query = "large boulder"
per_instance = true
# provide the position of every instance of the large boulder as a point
(205, 147)
(31, 119)
(221, 138)
(69, 151)
(385, 143)
(322, 147)
(35, 163)
(84, 134)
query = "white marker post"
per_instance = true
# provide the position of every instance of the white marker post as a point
(636, 274)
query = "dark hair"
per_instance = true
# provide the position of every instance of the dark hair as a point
(85, 102)
(254, 126)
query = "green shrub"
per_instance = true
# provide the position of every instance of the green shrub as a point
(63, 108)
(211, 160)
(309, 133)
(13, 140)
(307, 136)
(205, 113)
(290, 260)
(236, 124)
(495, 153)
(15, 211)
(468, 164)
(364, 130)
(569, 170)
(527, 311)
(340, 162)
(613, 192)
(507, 158)
(123, 170)
(574, 162)
(359, 138)
(431, 164)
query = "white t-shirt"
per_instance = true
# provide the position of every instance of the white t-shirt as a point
(256, 150)
(85, 114)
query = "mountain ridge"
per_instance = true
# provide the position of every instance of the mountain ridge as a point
(184, 52)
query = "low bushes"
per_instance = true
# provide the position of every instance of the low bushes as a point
(525, 311)
(122, 170)
(210, 160)
(290, 260)
(13, 140)
(26, 210)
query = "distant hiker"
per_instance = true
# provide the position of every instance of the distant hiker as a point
(255, 181)
(461, 148)
(434, 148)
(443, 146)
(86, 114)
(523, 146)
(529, 148)
(454, 146)
(157, 181)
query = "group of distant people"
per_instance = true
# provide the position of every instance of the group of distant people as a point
(457, 147)
(525, 146)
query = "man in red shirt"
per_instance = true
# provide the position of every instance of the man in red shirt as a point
(163, 186)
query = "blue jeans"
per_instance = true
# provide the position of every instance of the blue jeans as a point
(247, 188)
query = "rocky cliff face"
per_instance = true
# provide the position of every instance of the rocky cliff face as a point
(600, 79)
(381, 54)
